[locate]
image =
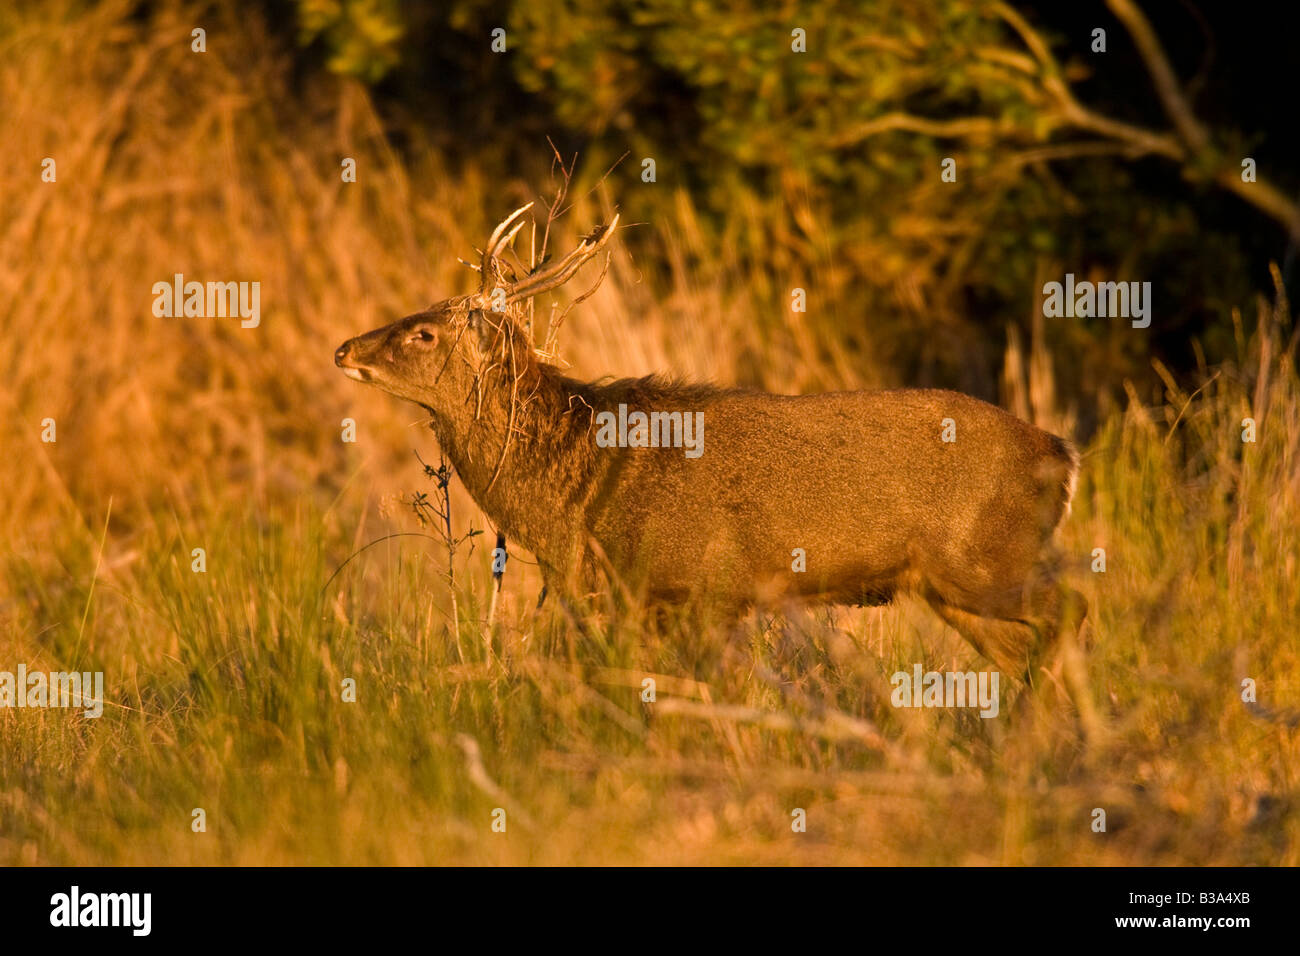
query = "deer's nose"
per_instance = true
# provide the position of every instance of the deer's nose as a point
(342, 353)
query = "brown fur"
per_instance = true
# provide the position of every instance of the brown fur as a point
(860, 480)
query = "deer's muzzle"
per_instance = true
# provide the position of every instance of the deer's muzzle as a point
(342, 358)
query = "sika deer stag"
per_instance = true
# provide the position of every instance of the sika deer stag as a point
(863, 482)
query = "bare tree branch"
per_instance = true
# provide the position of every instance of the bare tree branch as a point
(967, 126)
(1162, 74)
(1191, 146)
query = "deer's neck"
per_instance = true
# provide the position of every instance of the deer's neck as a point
(523, 453)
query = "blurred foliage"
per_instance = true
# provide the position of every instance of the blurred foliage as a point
(360, 35)
(821, 169)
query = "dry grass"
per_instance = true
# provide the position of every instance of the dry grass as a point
(224, 687)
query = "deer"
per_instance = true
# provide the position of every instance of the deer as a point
(874, 493)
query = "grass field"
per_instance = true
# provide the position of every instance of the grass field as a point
(224, 688)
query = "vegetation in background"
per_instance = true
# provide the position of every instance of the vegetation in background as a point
(361, 35)
(225, 688)
(822, 169)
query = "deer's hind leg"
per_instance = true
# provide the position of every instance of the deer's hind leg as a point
(1025, 642)
(1007, 642)
(1059, 660)
(1018, 627)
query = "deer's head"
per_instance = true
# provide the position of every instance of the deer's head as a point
(438, 356)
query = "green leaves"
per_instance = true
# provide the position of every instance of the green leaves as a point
(834, 153)
(361, 36)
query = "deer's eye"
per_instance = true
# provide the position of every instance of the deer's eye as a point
(423, 335)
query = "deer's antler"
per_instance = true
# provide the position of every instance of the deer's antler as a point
(499, 238)
(542, 280)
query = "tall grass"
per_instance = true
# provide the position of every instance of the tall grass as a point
(225, 688)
